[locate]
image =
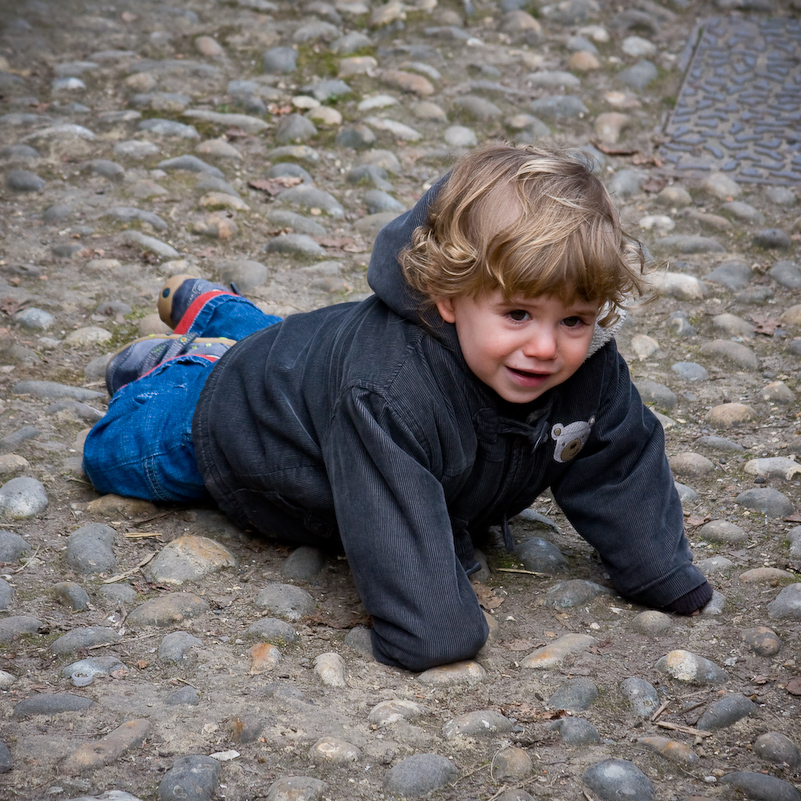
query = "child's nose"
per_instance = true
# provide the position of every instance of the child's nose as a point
(541, 345)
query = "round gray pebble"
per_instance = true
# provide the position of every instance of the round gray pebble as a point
(420, 774)
(619, 780)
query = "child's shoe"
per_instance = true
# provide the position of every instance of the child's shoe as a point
(147, 353)
(181, 291)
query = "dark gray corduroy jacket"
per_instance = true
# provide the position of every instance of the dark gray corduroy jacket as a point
(362, 423)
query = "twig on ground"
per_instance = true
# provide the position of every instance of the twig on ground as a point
(520, 570)
(30, 559)
(660, 711)
(683, 729)
(125, 574)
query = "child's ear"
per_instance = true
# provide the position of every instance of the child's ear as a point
(445, 309)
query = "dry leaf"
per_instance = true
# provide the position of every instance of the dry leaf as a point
(765, 324)
(654, 184)
(693, 521)
(487, 597)
(528, 713)
(9, 306)
(520, 645)
(274, 186)
(794, 685)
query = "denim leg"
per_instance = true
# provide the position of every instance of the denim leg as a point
(143, 448)
(224, 315)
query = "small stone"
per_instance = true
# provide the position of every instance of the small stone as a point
(573, 593)
(388, 712)
(732, 352)
(658, 394)
(610, 126)
(168, 610)
(263, 658)
(652, 623)
(552, 655)
(191, 778)
(285, 601)
(82, 638)
(559, 107)
(744, 211)
(175, 645)
(640, 75)
(690, 371)
(687, 494)
(51, 704)
(762, 641)
(296, 788)
(334, 750)
(734, 275)
(541, 556)
(420, 774)
(777, 392)
(431, 112)
(330, 668)
(691, 668)
(16, 626)
(715, 606)
(110, 748)
(729, 415)
(161, 127)
(644, 347)
(90, 549)
(676, 285)
(638, 47)
(576, 731)
(691, 464)
(779, 467)
(12, 546)
(22, 498)
(787, 604)
(280, 60)
(189, 558)
(674, 195)
(721, 186)
(722, 531)
(726, 712)
(777, 748)
(484, 722)
(786, 274)
(670, 749)
(575, 695)
(773, 239)
(512, 763)
(768, 501)
(407, 82)
(72, 594)
(455, 674)
(641, 695)
(183, 696)
(718, 565)
(274, 631)
(615, 779)
(459, 136)
(356, 137)
(761, 787)
(733, 325)
(584, 61)
(208, 46)
(24, 181)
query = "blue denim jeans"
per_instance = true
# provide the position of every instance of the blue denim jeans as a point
(143, 448)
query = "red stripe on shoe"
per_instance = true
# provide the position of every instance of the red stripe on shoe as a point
(192, 312)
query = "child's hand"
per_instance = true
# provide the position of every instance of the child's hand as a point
(692, 602)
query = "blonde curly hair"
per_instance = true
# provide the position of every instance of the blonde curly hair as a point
(528, 221)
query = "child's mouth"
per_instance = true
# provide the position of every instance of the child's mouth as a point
(530, 377)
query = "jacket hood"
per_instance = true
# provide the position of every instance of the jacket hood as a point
(386, 279)
(384, 275)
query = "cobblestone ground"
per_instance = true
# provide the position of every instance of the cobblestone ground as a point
(156, 652)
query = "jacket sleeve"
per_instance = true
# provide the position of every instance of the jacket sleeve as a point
(620, 496)
(397, 534)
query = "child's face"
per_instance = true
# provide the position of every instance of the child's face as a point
(522, 348)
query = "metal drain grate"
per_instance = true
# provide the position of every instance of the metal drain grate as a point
(739, 109)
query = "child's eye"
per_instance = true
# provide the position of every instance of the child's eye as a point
(572, 322)
(518, 315)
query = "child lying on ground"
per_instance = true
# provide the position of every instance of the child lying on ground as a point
(481, 372)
